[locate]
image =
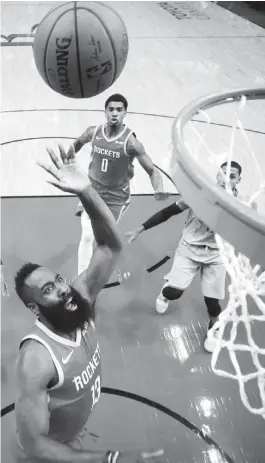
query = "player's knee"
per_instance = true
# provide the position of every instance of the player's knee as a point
(213, 306)
(87, 236)
(171, 293)
(87, 232)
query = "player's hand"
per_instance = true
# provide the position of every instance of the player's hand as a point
(133, 234)
(68, 175)
(161, 195)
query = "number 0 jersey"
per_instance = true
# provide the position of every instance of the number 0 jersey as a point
(111, 168)
(78, 388)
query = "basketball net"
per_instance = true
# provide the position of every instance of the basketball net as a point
(246, 281)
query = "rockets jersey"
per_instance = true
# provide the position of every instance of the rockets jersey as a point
(78, 388)
(110, 167)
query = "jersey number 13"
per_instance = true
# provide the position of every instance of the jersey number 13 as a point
(96, 390)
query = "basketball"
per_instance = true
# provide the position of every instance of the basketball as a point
(80, 48)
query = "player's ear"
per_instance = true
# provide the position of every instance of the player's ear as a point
(33, 306)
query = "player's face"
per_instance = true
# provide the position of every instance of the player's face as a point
(115, 113)
(61, 304)
(233, 180)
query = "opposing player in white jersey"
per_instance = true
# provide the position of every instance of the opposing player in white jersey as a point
(59, 364)
(114, 148)
(197, 250)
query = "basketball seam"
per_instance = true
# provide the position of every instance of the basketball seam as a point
(77, 52)
(110, 39)
(120, 18)
(47, 44)
(52, 11)
(113, 11)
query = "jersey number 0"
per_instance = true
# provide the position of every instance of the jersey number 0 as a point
(104, 165)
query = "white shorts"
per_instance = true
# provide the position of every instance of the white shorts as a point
(188, 260)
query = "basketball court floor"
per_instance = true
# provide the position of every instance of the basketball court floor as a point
(159, 391)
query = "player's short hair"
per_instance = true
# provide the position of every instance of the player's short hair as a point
(233, 164)
(117, 97)
(24, 272)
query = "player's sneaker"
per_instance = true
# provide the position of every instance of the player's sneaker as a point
(162, 304)
(211, 339)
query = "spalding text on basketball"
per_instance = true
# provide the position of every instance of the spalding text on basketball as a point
(62, 52)
(99, 70)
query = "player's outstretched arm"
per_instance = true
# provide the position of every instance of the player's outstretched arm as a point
(86, 137)
(156, 219)
(35, 370)
(137, 150)
(69, 176)
(108, 248)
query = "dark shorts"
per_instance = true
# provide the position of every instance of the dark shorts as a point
(117, 210)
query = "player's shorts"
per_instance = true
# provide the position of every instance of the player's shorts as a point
(115, 199)
(117, 210)
(191, 258)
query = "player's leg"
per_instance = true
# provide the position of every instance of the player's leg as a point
(214, 309)
(213, 289)
(85, 250)
(179, 278)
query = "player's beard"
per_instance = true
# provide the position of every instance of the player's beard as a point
(67, 321)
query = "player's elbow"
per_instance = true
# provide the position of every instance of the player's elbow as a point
(117, 245)
(34, 448)
(113, 247)
(151, 171)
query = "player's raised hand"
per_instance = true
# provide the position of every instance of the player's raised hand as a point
(133, 234)
(68, 175)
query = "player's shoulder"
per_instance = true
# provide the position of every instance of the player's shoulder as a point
(34, 363)
(89, 132)
(134, 146)
(245, 199)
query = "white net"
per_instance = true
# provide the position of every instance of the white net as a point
(245, 281)
(247, 286)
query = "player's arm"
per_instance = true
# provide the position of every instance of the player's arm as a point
(161, 216)
(68, 176)
(35, 370)
(136, 149)
(108, 248)
(86, 137)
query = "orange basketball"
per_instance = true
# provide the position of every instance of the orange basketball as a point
(81, 48)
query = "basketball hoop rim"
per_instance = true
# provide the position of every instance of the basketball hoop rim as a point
(196, 175)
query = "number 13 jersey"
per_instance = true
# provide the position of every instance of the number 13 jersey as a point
(110, 167)
(78, 385)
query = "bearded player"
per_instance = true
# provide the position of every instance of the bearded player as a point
(59, 364)
(114, 149)
(197, 250)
